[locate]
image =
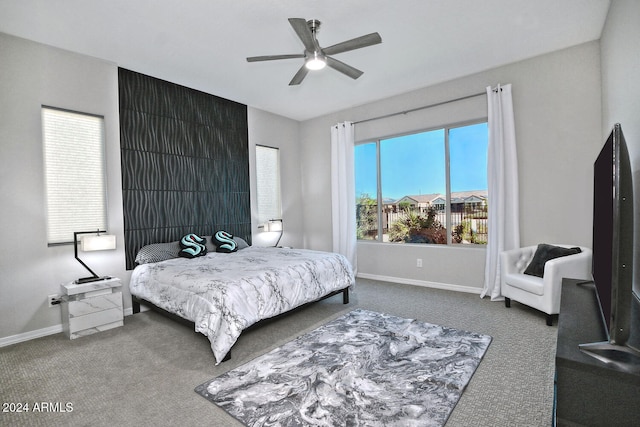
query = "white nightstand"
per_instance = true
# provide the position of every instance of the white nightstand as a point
(91, 307)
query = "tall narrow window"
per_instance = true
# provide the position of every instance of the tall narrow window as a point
(74, 160)
(427, 187)
(268, 183)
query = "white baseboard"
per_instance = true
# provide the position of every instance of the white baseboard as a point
(31, 335)
(423, 283)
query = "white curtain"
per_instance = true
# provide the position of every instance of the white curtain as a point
(502, 167)
(343, 194)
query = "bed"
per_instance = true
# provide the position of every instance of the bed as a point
(225, 293)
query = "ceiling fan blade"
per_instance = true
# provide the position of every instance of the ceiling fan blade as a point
(357, 43)
(302, 30)
(348, 70)
(300, 75)
(274, 57)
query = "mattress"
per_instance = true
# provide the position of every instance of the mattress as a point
(224, 293)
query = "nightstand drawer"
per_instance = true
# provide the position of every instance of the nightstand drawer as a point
(94, 319)
(95, 304)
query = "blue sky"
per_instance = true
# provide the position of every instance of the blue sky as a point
(415, 164)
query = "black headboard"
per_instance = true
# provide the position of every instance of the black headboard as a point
(185, 163)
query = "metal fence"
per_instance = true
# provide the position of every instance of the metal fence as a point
(475, 224)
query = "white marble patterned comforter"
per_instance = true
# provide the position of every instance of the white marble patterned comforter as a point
(223, 294)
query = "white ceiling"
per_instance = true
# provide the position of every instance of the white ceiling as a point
(203, 44)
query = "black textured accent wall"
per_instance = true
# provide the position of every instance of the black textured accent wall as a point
(185, 163)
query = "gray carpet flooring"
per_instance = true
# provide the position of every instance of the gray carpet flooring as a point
(144, 373)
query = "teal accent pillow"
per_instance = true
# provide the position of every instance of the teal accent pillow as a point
(224, 242)
(240, 243)
(192, 246)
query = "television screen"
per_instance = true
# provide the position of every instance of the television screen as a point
(613, 255)
(603, 212)
(613, 235)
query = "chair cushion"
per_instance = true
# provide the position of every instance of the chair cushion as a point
(528, 283)
(543, 254)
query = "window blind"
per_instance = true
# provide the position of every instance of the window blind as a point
(74, 161)
(268, 183)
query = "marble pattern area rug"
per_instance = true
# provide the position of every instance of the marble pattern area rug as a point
(362, 369)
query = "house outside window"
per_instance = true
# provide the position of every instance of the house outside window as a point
(75, 173)
(428, 187)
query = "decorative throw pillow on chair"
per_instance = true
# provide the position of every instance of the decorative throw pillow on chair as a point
(544, 253)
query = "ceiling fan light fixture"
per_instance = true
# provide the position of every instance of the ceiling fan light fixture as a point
(316, 62)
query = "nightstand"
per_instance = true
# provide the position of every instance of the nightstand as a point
(91, 307)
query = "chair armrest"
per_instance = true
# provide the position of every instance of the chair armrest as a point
(576, 266)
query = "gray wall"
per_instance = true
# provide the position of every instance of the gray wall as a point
(33, 74)
(620, 47)
(558, 129)
(277, 131)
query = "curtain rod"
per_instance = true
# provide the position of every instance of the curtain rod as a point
(420, 108)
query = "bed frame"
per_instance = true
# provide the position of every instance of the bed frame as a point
(135, 304)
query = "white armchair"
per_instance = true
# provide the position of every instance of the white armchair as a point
(541, 293)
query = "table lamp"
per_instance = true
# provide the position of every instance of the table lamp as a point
(98, 242)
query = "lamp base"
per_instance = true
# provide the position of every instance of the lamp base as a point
(91, 279)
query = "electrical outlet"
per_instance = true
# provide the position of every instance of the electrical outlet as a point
(53, 299)
(419, 262)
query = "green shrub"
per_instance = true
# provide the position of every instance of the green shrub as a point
(417, 228)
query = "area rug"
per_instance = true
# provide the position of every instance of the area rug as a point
(364, 368)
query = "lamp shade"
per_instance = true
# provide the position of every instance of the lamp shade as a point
(102, 242)
(274, 225)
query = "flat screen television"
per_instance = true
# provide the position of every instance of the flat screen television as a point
(613, 254)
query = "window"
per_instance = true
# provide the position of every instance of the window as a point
(268, 183)
(74, 160)
(427, 187)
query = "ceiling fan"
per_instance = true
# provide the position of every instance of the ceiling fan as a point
(316, 57)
